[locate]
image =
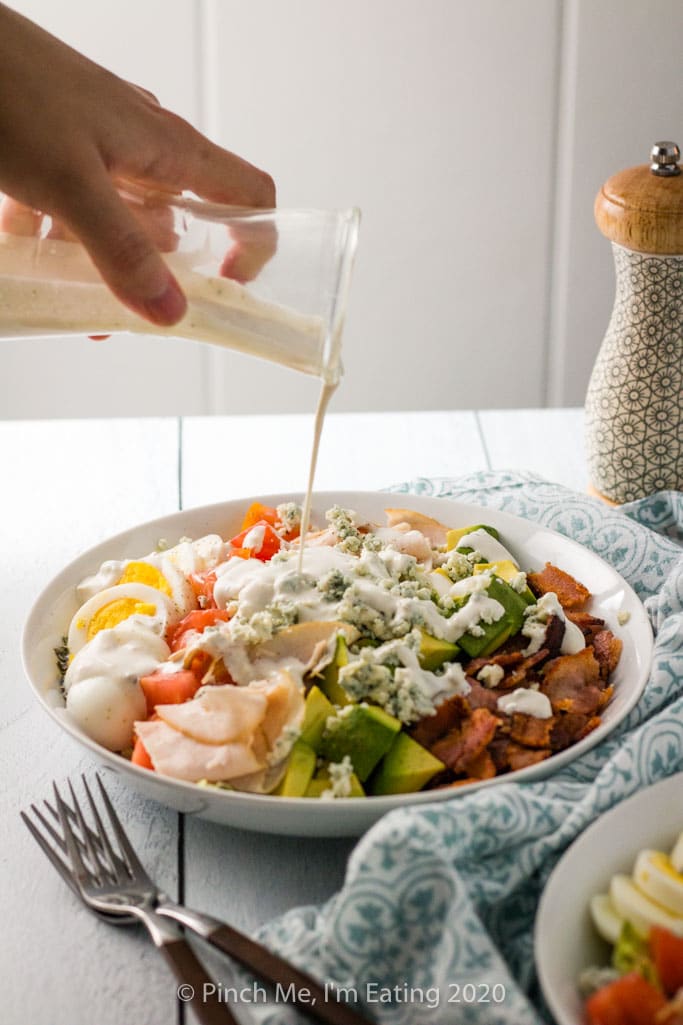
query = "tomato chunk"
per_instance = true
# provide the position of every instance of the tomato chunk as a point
(667, 953)
(266, 549)
(630, 1000)
(258, 513)
(203, 584)
(169, 688)
(140, 756)
(194, 622)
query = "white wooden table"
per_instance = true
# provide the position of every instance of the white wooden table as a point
(66, 485)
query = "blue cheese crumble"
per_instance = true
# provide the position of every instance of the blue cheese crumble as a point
(289, 514)
(391, 676)
(340, 780)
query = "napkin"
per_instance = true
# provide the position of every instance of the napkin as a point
(434, 922)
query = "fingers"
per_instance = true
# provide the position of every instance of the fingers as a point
(255, 243)
(18, 219)
(222, 177)
(122, 251)
(184, 159)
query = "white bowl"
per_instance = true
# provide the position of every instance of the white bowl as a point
(533, 545)
(565, 941)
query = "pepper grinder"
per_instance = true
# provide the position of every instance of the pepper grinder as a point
(634, 404)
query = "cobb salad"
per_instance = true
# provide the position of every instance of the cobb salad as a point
(381, 659)
(641, 917)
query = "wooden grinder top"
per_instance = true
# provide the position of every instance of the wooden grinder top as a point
(642, 208)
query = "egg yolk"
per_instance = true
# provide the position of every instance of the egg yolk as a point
(115, 612)
(143, 573)
(664, 864)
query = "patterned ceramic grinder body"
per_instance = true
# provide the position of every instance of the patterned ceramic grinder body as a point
(634, 404)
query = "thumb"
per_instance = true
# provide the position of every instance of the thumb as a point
(122, 252)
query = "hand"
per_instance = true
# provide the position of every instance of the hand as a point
(69, 128)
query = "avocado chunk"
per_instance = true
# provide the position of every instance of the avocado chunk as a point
(507, 570)
(406, 768)
(317, 710)
(495, 634)
(300, 769)
(454, 536)
(322, 782)
(434, 652)
(329, 682)
(364, 733)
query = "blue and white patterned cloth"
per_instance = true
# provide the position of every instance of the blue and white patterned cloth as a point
(441, 897)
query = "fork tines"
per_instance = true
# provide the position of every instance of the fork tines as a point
(72, 844)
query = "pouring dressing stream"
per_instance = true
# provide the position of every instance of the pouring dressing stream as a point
(292, 313)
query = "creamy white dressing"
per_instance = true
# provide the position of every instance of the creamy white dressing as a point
(129, 650)
(240, 663)
(102, 683)
(51, 287)
(470, 585)
(439, 583)
(529, 702)
(327, 390)
(255, 584)
(535, 626)
(483, 542)
(253, 539)
(107, 575)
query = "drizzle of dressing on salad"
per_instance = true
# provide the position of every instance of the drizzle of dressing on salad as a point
(326, 392)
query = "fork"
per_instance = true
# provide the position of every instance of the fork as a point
(117, 887)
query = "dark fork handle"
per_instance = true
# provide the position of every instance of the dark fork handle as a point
(312, 999)
(192, 980)
(317, 1002)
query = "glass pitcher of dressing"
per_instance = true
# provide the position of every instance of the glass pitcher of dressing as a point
(291, 312)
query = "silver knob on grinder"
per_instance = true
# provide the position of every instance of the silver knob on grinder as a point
(664, 157)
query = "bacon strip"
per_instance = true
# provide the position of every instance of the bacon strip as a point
(571, 682)
(522, 757)
(607, 649)
(447, 716)
(588, 625)
(464, 743)
(518, 676)
(530, 731)
(570, 593)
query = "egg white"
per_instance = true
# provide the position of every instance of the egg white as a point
(103, 692)
(164, 612)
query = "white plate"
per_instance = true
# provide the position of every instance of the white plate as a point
(531, 544)
(565, 941)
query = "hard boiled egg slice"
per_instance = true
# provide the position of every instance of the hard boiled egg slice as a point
(639, 910)
(197, 556)
(102, 683)
(658, 879)
(140, 571)
(605, 918)
(677, 854)
(166, 577)
(114, 605)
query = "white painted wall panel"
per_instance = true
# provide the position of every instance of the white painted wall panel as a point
(621, 93)
(153, 44)
(437, 119)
